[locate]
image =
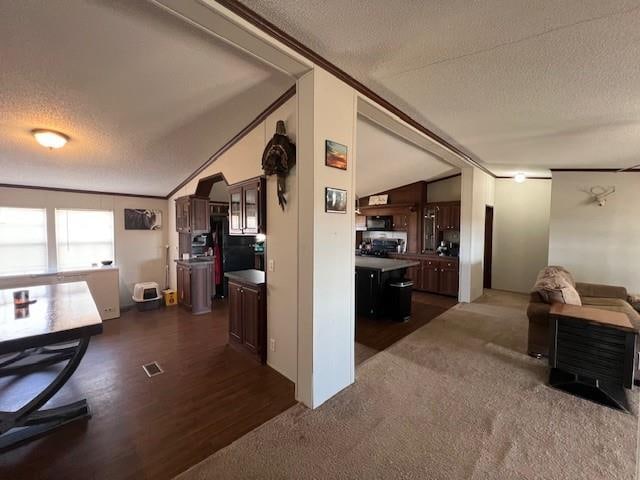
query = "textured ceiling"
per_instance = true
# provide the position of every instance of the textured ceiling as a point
(520, 84)
(387, 161)
(145, 98)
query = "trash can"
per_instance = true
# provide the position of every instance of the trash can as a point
(400, 299)
(147, 296)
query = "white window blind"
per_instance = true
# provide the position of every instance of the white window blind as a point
(83, 237)
(23, 240)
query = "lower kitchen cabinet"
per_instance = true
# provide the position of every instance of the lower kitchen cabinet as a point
(430, 276)
(434, 274)
(247, 318)
(194, 281)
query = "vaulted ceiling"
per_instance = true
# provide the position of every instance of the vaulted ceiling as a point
(386, 161)
(521, 85)
(144, 97)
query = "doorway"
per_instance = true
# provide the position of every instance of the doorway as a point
(488, 246)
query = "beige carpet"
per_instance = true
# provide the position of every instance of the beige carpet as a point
(457, 399)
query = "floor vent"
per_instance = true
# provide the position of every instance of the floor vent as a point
(152, 369)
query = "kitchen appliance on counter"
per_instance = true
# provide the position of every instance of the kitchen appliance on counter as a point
(379, 223)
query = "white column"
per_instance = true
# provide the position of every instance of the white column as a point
(477, 193)
(326, 263)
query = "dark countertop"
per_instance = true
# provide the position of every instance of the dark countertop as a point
(425, 254)
(196, 261)
(383, 264)
(253, 277)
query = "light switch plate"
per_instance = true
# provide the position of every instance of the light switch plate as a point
(271, 265)
(272, 344)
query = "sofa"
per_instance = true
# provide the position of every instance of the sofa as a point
(603, 297)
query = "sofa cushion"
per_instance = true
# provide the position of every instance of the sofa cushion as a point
(603, 301)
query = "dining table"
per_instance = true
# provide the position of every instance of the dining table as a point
(54, 327)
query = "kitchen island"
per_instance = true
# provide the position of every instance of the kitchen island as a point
(373, 278)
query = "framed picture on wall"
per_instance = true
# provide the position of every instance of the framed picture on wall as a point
(335, 155)
(335, 200)
(141, 219)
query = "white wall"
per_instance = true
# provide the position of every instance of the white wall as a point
(241, 162)
(477, 191)
(139, 254)
(449, 190)
(597, 244)
(326, 260)
(520, 233)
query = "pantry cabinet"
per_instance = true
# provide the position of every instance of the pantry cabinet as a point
(192, 214)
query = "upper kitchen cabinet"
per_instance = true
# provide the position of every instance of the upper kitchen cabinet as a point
(447, 216)
(247, 207)
(192, 214)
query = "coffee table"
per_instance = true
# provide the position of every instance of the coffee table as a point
(31, 340)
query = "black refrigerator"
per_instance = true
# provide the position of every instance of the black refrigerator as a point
(237, 250)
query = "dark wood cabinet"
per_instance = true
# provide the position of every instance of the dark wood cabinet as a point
(434, 274)
(184, 285)
(430, 275)
(247, 318)
(192, 214)
(247, 207)
(448, 278)
(235, 312)
(447, 215)
(194, 283)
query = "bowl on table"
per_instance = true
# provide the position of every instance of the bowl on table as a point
(106, 263)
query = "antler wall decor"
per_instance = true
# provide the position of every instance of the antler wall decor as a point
(599, 194)
(278, 158)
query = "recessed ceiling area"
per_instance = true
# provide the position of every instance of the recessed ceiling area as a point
(521, 85)
(385, 160)
(144, 97)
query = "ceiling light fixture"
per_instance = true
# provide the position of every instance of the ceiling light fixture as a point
(50, 138)
(520, 177)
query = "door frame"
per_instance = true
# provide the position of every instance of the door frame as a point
(488, 246)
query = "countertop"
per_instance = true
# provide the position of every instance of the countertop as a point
(383, 264)
(425, 254)
(253, 277)
(197, 261)
(58, 271)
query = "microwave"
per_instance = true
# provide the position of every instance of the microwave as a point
(380, 223)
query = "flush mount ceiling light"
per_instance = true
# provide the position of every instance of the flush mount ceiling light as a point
(50, 138)
(520, 177)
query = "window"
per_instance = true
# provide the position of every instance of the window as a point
(23, 240)
(83, 237)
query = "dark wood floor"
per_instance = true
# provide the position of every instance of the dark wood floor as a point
(378, 334)
(151, 428)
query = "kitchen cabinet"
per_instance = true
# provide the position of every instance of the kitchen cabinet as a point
(448, 278)
(401, 222)
(369, 291)
(194, 281)
(192, 214)
(247, 207)
(247, 318)
(447, 215)
(430, 276)
(435, 274)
